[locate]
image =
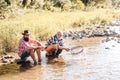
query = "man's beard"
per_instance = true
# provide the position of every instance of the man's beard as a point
(26, 39)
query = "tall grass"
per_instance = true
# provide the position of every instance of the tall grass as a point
(42, 24)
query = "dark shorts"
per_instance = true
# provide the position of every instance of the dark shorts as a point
(24, 55)
(54, 53)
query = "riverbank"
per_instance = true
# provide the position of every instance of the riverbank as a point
(85, 35)
(85, 41)
(78, 29)
(43, 24)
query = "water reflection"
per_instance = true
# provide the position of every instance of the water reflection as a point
(96, 62)
(54, 72)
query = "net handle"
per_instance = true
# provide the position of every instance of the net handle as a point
(75, 48)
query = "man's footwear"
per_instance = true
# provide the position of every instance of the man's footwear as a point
(47, 55)
(27, 62)
(35, 63)
(39, 60)
(19, 61)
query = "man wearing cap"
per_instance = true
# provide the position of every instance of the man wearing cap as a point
(28, 46)
(55, 46)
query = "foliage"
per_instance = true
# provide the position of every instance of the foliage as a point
(15, 21)
(42, 28)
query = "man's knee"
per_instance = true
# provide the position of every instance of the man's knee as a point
(30, 50)
(59, 50)
(38, 49)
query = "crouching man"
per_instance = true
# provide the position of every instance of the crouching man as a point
(55, 46)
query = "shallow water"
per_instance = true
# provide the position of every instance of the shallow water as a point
(96, 62)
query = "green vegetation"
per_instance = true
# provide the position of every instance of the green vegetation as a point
(44, 18)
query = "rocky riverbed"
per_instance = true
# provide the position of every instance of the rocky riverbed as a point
(99, 30)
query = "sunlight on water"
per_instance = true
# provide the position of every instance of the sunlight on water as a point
(99, 62)
(116, 29)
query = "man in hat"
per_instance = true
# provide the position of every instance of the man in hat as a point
(55, 46)
(28, 46)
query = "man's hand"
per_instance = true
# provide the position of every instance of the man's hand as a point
(67, 49)
(42, 48)
(64, 48)
(39, 47)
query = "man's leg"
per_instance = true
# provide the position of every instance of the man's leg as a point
(38, 54)
(58, 52)
(52, 54)
(31, 51)
(24, 55)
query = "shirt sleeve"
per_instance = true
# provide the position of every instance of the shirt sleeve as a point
(61, 43)
(54, 40)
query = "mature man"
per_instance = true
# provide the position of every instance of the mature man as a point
(27, 47)
(55, 46)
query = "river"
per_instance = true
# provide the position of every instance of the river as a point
(96, 62)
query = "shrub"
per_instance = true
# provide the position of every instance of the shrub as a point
(8, 38)
(80, 5)
(100, 3)
(65, 5)
(47, 5)
(57, 3)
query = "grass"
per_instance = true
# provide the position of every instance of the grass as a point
(116, 15)
(43, 24)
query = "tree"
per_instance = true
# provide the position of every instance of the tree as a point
(25, 3)
(8, 2)
(85, 1)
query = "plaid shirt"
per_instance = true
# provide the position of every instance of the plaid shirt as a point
(54, 40)
(23, 45)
